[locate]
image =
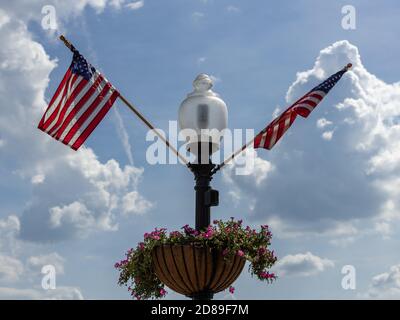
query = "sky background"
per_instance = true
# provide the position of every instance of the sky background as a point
(329, 189)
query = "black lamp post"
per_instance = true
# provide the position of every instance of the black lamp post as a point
(205, 115)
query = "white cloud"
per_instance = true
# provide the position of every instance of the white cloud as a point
(135, 5)
(242, 174)
(133, 202)
(75, 215)
(123, 135)
(322, 123)
(9, 230)
(38, 179)
(386, 285)
(10, 269)
(327, 135)
(37, 262)
(302, 264)
(60, 293)
(117, 4)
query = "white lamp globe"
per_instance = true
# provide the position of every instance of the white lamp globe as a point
(201, 110)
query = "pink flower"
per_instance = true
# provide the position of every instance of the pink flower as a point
(267, 275)
(209, 233)
(163, 292)
(225, 252)
(189, 231)
(240, 253)
(116, 265)
(232, 290)
(175, 234)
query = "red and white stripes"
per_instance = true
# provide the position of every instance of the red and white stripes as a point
(77, 108)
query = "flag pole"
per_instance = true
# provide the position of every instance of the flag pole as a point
(69, 45)
(150, 126)
(231, 157)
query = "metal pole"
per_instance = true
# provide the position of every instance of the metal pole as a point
(205, 198)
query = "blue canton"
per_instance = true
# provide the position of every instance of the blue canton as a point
(81, 67)
(329, 83)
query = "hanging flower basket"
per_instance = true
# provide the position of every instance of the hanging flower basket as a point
(196, 263)
(194, 269)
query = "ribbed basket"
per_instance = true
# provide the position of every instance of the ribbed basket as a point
(190, 269)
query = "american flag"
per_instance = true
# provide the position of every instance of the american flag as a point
(81, 101)
(268, 137)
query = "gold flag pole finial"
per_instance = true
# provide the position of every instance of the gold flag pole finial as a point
(67, 43)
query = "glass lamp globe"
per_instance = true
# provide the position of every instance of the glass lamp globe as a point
(203, 109)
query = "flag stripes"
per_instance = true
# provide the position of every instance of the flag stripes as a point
(80, 102)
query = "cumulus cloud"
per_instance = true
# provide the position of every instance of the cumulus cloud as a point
(386, 285)
(302, 264)
(350, 179)
(134, 203)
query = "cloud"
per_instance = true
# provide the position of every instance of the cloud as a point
(38, 179)
(9, 230)
(197, 15)
(350, 179)
(10, 269)
(302, 264)
(60, 293)
(322, 123)
(135, 5)
(386, 285)
(37, 262)
(134, 203)
(327, 135)
(123, 135)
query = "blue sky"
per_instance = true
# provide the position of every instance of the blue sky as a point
(329, 190)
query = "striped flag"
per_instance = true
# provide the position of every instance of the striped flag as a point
(268, 137)
(81, 101)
